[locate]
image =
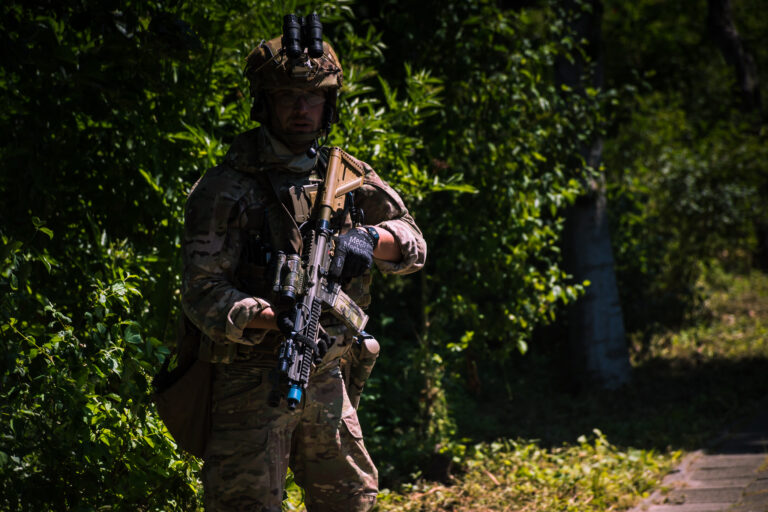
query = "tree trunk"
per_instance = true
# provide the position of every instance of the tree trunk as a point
(722, 29)
(595, 322)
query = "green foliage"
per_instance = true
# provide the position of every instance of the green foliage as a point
(590, 475)
(77, 432)
(686, 167)
(510, 138)
(683, 200)
(734, 326)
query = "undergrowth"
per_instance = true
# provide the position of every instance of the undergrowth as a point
(589, 475)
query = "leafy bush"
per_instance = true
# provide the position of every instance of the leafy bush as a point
(511, 138)
(686, 167)
(77, 432)
(680, 198)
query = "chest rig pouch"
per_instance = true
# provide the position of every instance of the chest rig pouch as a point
(300, 199)
(266, 232)
(252, 271)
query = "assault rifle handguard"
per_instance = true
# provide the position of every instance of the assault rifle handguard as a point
(305, 283)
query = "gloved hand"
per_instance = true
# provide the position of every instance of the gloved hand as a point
(286, 320)
(324, 342)
(353, 254)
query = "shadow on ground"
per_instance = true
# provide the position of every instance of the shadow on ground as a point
(671, 404)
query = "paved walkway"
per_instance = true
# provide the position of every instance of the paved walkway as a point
(730, 476)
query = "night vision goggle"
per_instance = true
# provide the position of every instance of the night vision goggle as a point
(300, 32)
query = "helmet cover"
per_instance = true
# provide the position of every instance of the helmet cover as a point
(268, 68)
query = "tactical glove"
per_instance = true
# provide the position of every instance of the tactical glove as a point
(286, 320)
(324, 342)
(353, 254)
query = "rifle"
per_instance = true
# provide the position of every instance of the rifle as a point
(304, 283)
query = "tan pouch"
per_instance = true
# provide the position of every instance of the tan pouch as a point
(183, 394)
(357, 365)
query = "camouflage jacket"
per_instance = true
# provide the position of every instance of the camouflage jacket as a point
(227, 239)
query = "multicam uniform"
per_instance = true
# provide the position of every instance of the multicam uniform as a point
(229, 236)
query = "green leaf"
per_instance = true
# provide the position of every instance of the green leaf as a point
(119, 289)
(132, 336)
(148, 178)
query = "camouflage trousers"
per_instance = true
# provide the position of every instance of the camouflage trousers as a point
(252, 445)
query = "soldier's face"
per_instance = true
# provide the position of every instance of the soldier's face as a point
(297, 111)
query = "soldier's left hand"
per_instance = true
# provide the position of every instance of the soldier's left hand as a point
(286, 320)
(324, 342)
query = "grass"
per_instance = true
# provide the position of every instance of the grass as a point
(550, 448)
(588, 475)
(735, 327)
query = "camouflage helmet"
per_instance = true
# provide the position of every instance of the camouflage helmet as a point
(268, 68)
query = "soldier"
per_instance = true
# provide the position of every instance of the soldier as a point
(234, 224)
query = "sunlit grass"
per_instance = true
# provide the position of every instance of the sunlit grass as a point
(735, 324)
(588, 475)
